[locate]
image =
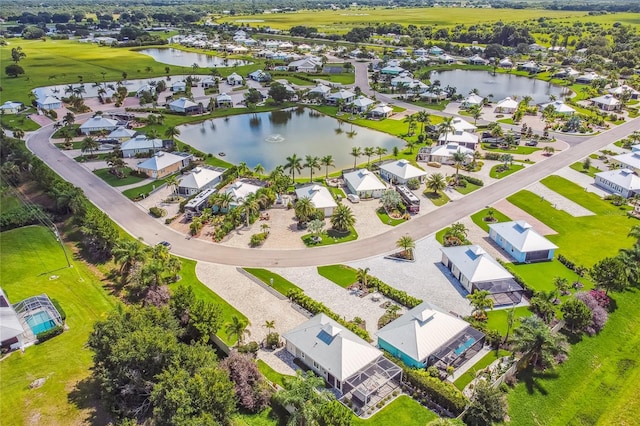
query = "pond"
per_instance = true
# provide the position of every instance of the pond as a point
(269, 138)
(499, 85)
(171, 56)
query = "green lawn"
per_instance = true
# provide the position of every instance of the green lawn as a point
(113, 180)
(133, 193)
(402, 411)
(506, 121)
(497, 319)
(386, 219)
(467, 377)
(439, 199)
(29, 257)
(469, 188)
(539, 276)
(74, 145)
(280, 284)
(579, 168)
(342, 275)
(272, 375)
(478, 218)
(520, 149)
(9, 202)
(18, 121)
(330, 237)
(512, 169)
(189, 278)
(577, 194)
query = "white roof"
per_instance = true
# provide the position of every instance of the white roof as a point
(183, 103)
(339, 351)
(160, 161)
(122, 132)
(11, 105)
(49, 100)
(241, 189)
(320, 88)
(522, 236)
(623, 177)
(382, 109)
(559, 107)
(477, 58)
(10, 326)
(179, 84)
(459, 137)
(199, 178)
(319, 195)
(363, 102)
(141, 142)
(507, 103)
(234, 76)
(505, 61)
(364, 180)
(449, 149)
(530, 65)
(629, 159)
(223, 97)
(462, 125)
(99, 122)
(476, 264)
(342, 94)
(422, 331)
(403, 169)
(606, 100)
(473, 99)
(621, 89)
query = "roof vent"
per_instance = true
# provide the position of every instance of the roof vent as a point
(424, 315)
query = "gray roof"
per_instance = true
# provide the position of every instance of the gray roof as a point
(99, 122)
(319, 195)
(199, 178)
(629, 159)
(339, 351)
(522, 236)
(475, 263)
(141, 142)
(403, 169)
(422, 331)
(160, 161)
(625, 178)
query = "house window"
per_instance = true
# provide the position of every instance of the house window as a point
(315, 365)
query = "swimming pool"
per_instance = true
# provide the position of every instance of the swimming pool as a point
(40, 322)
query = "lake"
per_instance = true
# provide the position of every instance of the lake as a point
(499, 85)
(269, 138)
(171, 56)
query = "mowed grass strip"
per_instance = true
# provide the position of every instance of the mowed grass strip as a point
(403, 411)
(342, 275)
(578, 195)
(478, 218)
(31, 258)
(115, 181)
(280, 284)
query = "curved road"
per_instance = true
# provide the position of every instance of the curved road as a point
(139, 224)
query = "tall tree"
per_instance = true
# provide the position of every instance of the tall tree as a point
(459, 158)
(312, 163)
(342, 218)
(89, 144)
(304, 209)
(481, 301)
(576, 314)
(380, 151)
(445, 128)
(369, 151)
(406, 243)
(306, 394)
(488, 405)
(293, 164)
(251, 390)
(327, 161)
(610, 274)
(538, 344)
(128, 253)
(172, 132)
(436, 182)
(356, 152)
(238, 329)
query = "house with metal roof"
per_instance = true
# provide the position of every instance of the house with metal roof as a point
(391, 70)
(472, 100)
(505, 63)
(260, 76)
(140, 145)
(521, 241)
(364, 183)
(381, 110)
(319, 196)
(164, 164)
(475, 269)
(356, 370)
(507, 106)
(199, 179)
(98, 123)
(185, 106)
(477, 60)
(234, 79)
(10, 107)
(240, 190)
(622, 181)
(49, 102)
(342, 94)
(178, 86)
(11, 329)
(559, 107)
(607, 102)
(628, 160)
(361, 104)
(224, 100)
(121, 133)
(462, 138)
(426, 336)
(320, 90)
(461, 125)
(401, 171)
(443, 154)
(624, 90)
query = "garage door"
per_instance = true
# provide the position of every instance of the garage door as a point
(536, 256)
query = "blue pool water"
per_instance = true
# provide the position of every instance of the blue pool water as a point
(466, 345)
(40, 322)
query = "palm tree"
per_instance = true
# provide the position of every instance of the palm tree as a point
(410, 145)
(316, 226)
(68, 119)
(476, 112)
(258, 170)
(510, 320)
(242, 169)
(269, 325)
(424, 118)
(304, 209)
(173, 181)
(380, 151)
(481, 301)
(89, 144)
(306, 393)
(369, 151)
(411, 120)
(172, 132)
(293, 164)
(221, 200)
(543, 305)
(250, 207)
(342, 218)
(445, 128)
(436, 182)
(496, 131)
(362, 276)
(196, 226)
(237, 328)
(635, 233)
(407, 244)
(356, 152)
(327, 161)
(507, 159)
(18, 133)
(459, 158)
(312, 163)
(631, 259)
(538, 344)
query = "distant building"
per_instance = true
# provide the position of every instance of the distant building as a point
(622, 182)
(164, 164)
(521, 241)
(364, 184)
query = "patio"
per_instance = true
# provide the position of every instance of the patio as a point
(458, 350)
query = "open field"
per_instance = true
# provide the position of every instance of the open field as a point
(341, 21)
(113, 180)
(342, 275)
(30, 256)
(402, 411)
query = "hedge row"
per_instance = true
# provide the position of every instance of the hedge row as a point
(580, 270)
(315, 307)
(49, 334)
(396, 295)
(444, 394)
(472, 180)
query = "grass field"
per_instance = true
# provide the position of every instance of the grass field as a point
(401, 411)
(280, 284)
(113, 180)
(478, 218)
(386, 219)
(439, 198)
(539, 276)
(579, 168)
(271, 374)
(18, 121)
(29, 257)
(342, 275)
(469, 188)
(519, 150)
(497, 319)
(499, 175)
(133, 193)
(341, 21)
(330, 237)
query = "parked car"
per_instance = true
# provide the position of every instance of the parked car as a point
(167, 244)
(531, 143)
(353, 198)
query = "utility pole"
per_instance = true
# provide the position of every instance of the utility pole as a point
(54, 228)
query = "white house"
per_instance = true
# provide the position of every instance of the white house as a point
(121, 133)
(11, 330)
(521, 241)
(320, 196)
(392, 70)
(380, 111)
(185, 106)
(98, 123)
(446, 59)
(607, 102)
(308, 65)
(178, 86)
(362, 103)
(339, 356)
(49, 102)
(320, 90)
(224, 100)
(208, 82)
(145, 88)
(364, 184)
(505, 63)
(426, 335)
(140, 145)
(588, 78)
(400, 171)
(199, 179)
(421, 52)
(507, 106)
(234, 79)
(342, 94)
(531, 67)
(239, 191)
(461, 125)
(472, 100)
(443, 154)
(465, 139)
(559, 107)
(629, 160)
(260, 76)
(164, 164)
(403, 79)
(622, 181)
(11, 107)
(624, 90)
(476, 270)
(477, 60)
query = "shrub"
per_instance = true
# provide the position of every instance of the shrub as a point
(492, 156)
(442, 393)
(273, 340)
(61, 311)
(601, 298)
(49, 334)
(258, 239)
(396, 295)
(249, 348)
(434, 164)
(472, 180)
(413, 184)
(157, 212)
(599, 315)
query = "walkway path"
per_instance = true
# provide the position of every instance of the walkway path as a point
(558, 201)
